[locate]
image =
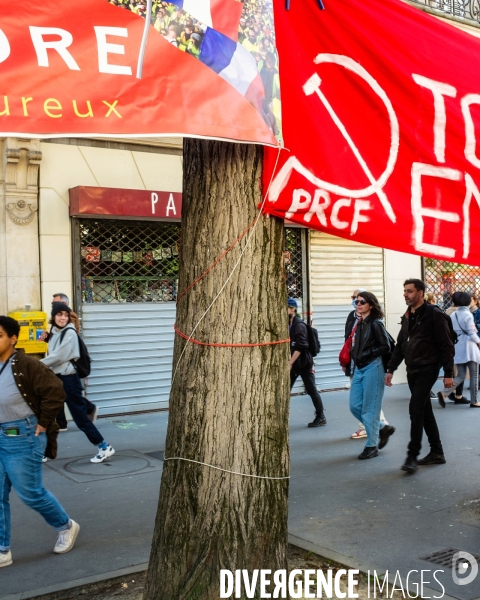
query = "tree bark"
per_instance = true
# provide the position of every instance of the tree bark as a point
(228, 406)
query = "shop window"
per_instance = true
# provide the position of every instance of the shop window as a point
(293, 262)
(128, 261)
(137, 261)
(443, 278)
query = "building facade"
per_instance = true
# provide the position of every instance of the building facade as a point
(99, 220)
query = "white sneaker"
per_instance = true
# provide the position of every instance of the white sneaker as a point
(103, 454)
(44, 459)
(66, 539)
(5, 559)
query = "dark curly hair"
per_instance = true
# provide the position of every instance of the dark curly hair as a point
(376, 310)
(10, 326)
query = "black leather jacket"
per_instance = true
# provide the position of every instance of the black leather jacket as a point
(371, 341)
(428, 346)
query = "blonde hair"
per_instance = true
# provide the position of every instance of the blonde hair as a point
(429, 296)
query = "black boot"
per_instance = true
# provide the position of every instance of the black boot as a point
(385, 432)
(368, 452)
(410, 465)
(318, 421)
(432, 459)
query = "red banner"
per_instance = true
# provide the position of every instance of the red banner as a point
(381, 114)
(118, 68)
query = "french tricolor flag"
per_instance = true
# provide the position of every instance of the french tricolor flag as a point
(218, 50)
(232, 62)
(221, 15)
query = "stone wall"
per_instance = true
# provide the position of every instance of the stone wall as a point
(19, 249)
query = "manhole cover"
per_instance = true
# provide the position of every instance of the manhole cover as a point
(119, 464)
(445, 557)
(122, 464)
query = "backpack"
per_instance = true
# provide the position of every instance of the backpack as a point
(82, 364)
(313, 341)
(314, 345)
(448, 318)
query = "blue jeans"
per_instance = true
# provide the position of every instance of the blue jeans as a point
(21, 467)
(77, 405)
(366, 395)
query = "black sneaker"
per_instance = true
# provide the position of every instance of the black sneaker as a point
(451, 396)
(385, 432)
(432, 459)
(433, 394)
(441, 399)
(461, 400)
(318, 421)
(410, 465)
(368, 452)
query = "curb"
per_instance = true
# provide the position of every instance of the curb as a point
(51, 589)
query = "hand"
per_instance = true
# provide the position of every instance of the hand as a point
(40, 430)
(388, 379)
(448, 382)
(43, 336)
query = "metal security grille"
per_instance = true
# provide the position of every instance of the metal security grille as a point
(293, 262)
(444, 557)
(128, 261)
(467, 9)
(444, 278)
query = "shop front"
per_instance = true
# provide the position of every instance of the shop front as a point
(125, 248)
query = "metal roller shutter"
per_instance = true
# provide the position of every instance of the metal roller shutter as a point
(131, 346)
(126, 281)
(337, 267)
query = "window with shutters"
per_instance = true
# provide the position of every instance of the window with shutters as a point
(293, 259)
(137, 261)
(128, 261)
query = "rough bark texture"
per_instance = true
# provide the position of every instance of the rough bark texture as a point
(228, 406)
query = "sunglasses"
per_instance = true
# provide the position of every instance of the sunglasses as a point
(362, 302)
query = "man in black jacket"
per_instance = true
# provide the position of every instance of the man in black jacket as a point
(301, 362)
(426, 344)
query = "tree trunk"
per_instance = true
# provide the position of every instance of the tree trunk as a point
(228, 405)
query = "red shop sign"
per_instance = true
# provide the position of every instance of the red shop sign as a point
(115, 202)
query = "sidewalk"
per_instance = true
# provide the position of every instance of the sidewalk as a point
(366, 514)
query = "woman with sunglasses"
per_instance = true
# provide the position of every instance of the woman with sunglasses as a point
(370, 343)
